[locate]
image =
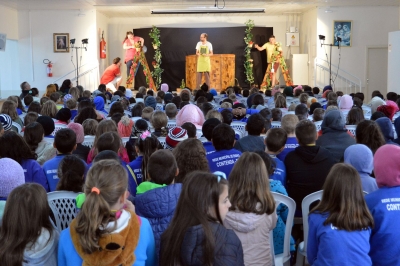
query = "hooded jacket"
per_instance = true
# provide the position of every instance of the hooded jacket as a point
(44, 251)
(375, 102)
(346, 102)
(334, 135)
(384, 207)
(190, 113)
(253, 231)
(228, 248)
(306, 170)
(45, 151)
(158, 206)
(361, 158)
(99, 103)
(386, 127)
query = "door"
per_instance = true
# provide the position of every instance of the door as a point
(377, 71)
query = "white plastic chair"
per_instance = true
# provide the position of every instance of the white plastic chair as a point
(305, 208)
(159, 107)
(125, 140)
(281, 259)
(127, 113)
(57, 127)
(318, 125)
(88, 141)
(275, 124)
(240, 126)
(203, 139)
(352, 129)
(63, 206)
(171, 124)
(18, 126)
(239, 133)
(162, 141)
(136, 118)
(199, 133)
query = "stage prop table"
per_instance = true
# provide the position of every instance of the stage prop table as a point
(222, 71)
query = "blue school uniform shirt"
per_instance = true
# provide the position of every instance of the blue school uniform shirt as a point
(50, 169)
(328, 245)
(209, 147)
(223, 160)
(73, 114)
(280, 170)
(145, 252)
(384, 205)
(290, 145)
(34, 173)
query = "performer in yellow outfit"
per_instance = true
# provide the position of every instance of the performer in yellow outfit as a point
(203, 51)
(272, 66)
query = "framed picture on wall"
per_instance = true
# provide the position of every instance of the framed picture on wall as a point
(61, 42)
(343, 30)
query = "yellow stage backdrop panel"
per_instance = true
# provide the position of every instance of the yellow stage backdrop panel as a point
(222, 71)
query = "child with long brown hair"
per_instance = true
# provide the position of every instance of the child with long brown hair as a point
(340, 225)
(103, 127)
(27, 236)
(252, 215)
(196, 235)
(107, 230)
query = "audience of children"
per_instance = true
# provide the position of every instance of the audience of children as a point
(155, 175)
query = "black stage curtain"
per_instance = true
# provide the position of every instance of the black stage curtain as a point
(177, 43)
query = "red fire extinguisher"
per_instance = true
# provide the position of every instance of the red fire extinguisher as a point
(103, 49)
(48, 67)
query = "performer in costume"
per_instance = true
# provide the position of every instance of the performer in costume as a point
(203, 51)
(129, 44)
(272, 66)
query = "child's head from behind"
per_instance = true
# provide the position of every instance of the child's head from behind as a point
(190, 129)
(190, 156)
(223, 137)
(90, 126)
(343, 187)
(209, 126)
(162, 167)
(30, 118)
(318, 114)
(276, 114)
(65, 141)
(13, 146)
(255, 124)
(306, 132)
(146, 145)
(11, 176)
(289, 123)
(275, 140)
(103, 194)
(109, 141)
(71, 171)
(249, 185)
(33, 134)
(204, 198)
(19, 211)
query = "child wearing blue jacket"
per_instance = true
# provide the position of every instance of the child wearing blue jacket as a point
(107, 231)
(385, 208)
(156, 200)
(340, 225)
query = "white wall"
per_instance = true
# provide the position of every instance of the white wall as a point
(119, 26)
(308, 39)
(102, 22)
(36, 30)
(9, 22)
(394, 62)
(371, 26)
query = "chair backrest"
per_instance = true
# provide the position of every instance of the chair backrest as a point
(127, 113)
(57, 127)
(352, 129)
(88, 141)
(239, 133)
(203, 139)
(22, 116)
(136, 118)
(318, 125)
(159, 107)
(63, 206)
(162, 141)
(305, 208)
(171, 124)
(275, 124)
(291, 205)
(241, 126)
(199, 133)
(125, 140)
(18, 126)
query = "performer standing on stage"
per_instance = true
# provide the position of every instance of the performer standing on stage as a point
(129, 44)
(271, 48)
(203, 51)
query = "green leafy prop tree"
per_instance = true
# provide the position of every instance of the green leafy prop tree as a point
(156, 73)
(248, 64)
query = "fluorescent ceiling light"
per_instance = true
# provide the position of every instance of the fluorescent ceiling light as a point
(207, 10)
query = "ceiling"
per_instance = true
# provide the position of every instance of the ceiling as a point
(129, 8)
